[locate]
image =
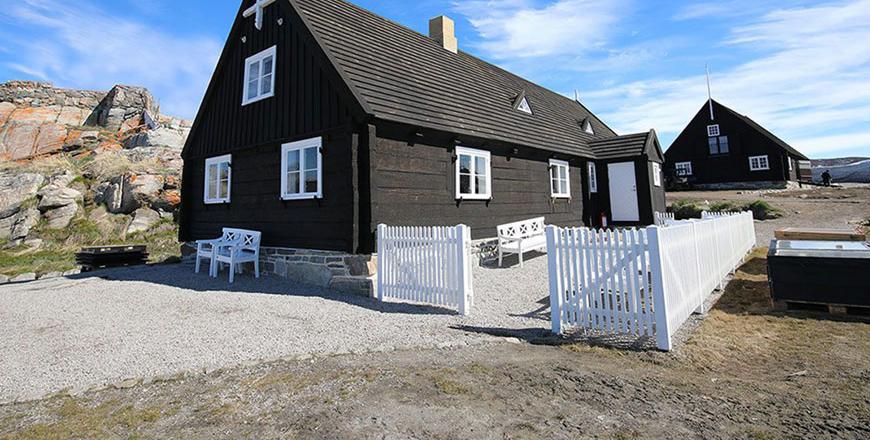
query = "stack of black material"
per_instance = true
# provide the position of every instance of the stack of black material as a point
(92, 258)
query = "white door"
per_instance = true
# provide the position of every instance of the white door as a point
(623, 192)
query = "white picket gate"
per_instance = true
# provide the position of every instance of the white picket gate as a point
(426, 264)
(642, 282)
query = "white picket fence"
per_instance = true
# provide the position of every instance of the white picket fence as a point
(429, 265)
(643, 282)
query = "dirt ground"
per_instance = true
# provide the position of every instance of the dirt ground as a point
(847, 207)
(745, 372)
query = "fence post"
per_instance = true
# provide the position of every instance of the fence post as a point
(462, 272)
(701, 296)
(555, 295)
(663, 331)
(382, 229)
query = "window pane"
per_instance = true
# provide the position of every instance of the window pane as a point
(555, 185)
(267, 66)
(224, 189)
(311, 158)
(464, 184)
(311, 181)
(292, 183)
(266, 84)
(714, 146)
(225, 170)
(563, 187)
(254, 71)
(252, 89)
(480, 182)
(723, 144)
(293, 160)
(464, 163)
(212, 189)
(480, 166)
(563, 172)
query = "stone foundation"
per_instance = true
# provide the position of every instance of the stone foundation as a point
(337, 271)
(761, 185)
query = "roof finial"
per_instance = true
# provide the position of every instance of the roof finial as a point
(709, 92)
(576, 95)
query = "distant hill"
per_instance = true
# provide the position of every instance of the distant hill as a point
(837, 162)
(845, 170)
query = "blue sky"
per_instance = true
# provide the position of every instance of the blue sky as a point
(801, 68)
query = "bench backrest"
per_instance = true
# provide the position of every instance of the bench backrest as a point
(245, 239)
(523, 229)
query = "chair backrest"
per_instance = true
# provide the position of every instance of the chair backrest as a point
(243, 238)
(523, 229)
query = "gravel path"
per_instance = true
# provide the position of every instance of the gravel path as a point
(88, 331)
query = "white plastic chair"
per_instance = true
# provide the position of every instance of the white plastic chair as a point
(244, 249)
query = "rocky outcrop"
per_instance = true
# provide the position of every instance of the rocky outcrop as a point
(126, 194)
(16, 220)
(38, 119)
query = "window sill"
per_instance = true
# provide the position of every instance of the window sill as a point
(301, 197)
(257, 99)
(561, 196)
(216, 202)
(473, 197)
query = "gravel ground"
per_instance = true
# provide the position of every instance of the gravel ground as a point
(89, 331)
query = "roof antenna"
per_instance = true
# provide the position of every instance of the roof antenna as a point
(576, 95)
(709, 92)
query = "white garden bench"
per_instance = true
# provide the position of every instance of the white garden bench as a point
(235, 247)
(520, 237)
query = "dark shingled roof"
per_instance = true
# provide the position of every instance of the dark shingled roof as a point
(403, 76)
(764, 131)
(621, 146)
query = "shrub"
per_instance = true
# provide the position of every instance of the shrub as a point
(762, 210)
(685, 209)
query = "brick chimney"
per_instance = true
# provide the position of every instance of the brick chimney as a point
(443, 30)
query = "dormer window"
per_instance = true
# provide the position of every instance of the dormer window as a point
(587, 127)
(524, 106)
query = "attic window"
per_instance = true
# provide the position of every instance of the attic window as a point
(713, 130)
(524, 106)
(587, 127)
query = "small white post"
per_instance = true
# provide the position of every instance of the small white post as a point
(463, 277)
(555, 281)
(382, 232)
(663, 331)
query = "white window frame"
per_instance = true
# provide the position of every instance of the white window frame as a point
(763, 163)
(587, 127)
(301, 146)
(464, 151)
(713, 130)
(555, 165)
(217, 161)
(524, 106)
(593, 178)
(657, 174)
(684, 165)
(259, 58)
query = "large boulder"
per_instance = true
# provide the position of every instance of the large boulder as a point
(143, 220)
(123, 108)
(160, 137)
(16, 227)
(115, 195)
(125, 194)
(59, 203)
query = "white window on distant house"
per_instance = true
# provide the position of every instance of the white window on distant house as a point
(657, 174)
(758, 163)
(524, 106)
(713, 130)
(473, 174)
(259, 76)
(559, 179)
(593, 178)
(587, 127)
(218, 177)
(302, 170)
(683, 169)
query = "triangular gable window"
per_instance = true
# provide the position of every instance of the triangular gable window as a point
(587, 127)
(524, 106)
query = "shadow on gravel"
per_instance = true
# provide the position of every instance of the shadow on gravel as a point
(539, 336)
(182, 276)
(510, 261)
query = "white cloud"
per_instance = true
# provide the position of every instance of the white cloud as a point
(79, 45)
(809, 78)
(520, 29)
(856, 143)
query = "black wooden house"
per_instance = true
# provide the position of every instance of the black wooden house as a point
(721, 148)
(323, 120)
